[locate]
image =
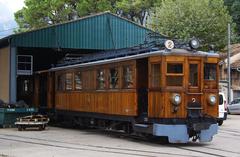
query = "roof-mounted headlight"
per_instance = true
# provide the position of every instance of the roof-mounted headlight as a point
(194, 43)
(212, 99)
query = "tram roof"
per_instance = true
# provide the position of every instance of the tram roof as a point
(137, 55)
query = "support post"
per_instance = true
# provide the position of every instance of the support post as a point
(229, 64)
(13, 75)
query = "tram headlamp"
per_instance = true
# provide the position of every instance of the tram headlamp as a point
(212, 99)
(175, 99)
(194, 43)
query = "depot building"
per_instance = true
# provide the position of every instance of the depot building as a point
(21, 55)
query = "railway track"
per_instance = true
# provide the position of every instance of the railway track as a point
(117, 150)
(84, 147)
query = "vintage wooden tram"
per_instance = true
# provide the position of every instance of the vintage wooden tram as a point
(149, 91)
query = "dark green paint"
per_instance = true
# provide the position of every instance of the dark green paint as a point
(101, 32)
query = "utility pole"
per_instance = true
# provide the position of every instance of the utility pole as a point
(228, 64)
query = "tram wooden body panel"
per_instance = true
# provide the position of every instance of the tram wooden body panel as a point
(115, 103)
(90, 99)
(159, 105)
(126, 102)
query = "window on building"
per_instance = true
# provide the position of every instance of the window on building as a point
(24, 65)
(155, 75)
(100, 79)
(69, 81)
(210, 71)
(113, 78)
(174, 74)
(128, 76)
(193, 74)
(78, 80)
(61, 82)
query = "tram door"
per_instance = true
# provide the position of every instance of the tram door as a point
(142, 87)
(44, 91)
(194, 81)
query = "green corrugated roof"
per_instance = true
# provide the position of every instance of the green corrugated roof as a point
(100, 31)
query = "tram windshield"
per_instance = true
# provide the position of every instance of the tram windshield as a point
(210, 70)
(174, 74)
(193, 75)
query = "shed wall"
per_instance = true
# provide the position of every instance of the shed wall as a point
(4, 73)
(101, 32)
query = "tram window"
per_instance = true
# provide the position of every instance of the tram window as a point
(155, 72)
(113, 78)
(193, 75)
(100, 79)
(174, 68)
(61, 82)
(69, 81)
(210, 71)
(78, 80)
(174, 74)
(128, 77)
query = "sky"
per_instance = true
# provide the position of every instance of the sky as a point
(7, 9)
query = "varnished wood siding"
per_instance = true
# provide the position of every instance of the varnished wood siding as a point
(50, 90)
(159, 104)
(116, 103)
(36, 91)
(207, 108)
(161, 107)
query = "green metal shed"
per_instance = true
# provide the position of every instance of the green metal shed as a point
(90, 34)
(100, 32)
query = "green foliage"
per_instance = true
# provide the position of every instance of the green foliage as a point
(85, 7)
(23, 24)
(135, 10)
(183, 19)
(234, 10)
(40, 13)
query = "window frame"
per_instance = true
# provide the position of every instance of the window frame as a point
(151, 75)
(117, 68)
(63, 88)
(25, 61)
(216, 71)
(198, 62)
(174, 74)
(133, 76)
(193, 86)
(75, 82)
(71, 79)
(104, 77)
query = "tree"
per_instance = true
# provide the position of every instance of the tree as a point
(40, 13)
(183, 19)
(86, 7)
(234, 10)
(135, 10)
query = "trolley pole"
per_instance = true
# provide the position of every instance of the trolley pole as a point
(228, 64)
